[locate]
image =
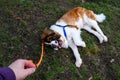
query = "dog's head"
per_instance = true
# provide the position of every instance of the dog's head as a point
(52, 38)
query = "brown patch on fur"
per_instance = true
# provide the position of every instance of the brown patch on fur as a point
(46, 32)
(90, 14)
(73, 26)
(73, 15)
(49, 35)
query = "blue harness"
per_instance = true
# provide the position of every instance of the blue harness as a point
(64, 31)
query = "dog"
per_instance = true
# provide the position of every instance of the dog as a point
(67, 30)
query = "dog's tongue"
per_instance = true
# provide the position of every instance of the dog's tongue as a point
(60, 43)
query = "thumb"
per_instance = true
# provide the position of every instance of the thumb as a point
(29, 71)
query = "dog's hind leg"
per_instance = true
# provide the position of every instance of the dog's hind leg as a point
(94, 24)
(90, 30)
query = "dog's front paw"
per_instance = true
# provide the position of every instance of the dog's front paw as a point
(78, 63)
(82, 44)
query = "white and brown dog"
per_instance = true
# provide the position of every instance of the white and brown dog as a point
(66, 31)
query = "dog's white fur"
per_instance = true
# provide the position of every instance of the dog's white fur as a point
(73, 35)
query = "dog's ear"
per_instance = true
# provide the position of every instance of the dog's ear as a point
(46, 33)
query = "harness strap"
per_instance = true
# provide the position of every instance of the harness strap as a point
(64, 31)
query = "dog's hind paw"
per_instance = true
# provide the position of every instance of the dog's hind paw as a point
(105, 39)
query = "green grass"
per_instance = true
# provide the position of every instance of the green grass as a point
(21, 25)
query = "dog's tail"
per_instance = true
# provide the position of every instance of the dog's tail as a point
(100, 17)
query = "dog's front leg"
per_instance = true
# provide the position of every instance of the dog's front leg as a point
(76, 54)
(76, 36)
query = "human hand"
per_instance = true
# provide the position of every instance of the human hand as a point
(22, 68)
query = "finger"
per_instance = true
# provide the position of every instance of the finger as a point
(29, 64)
(29, 71)
(31, 61)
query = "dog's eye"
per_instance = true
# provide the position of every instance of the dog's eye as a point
(49, 38)
(56, 41)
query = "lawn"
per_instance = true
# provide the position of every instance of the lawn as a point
(21, 25)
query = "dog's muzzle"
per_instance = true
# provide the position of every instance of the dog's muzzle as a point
(56, 47)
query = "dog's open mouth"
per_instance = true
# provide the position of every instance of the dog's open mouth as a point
(57, 44)
(56, 47)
